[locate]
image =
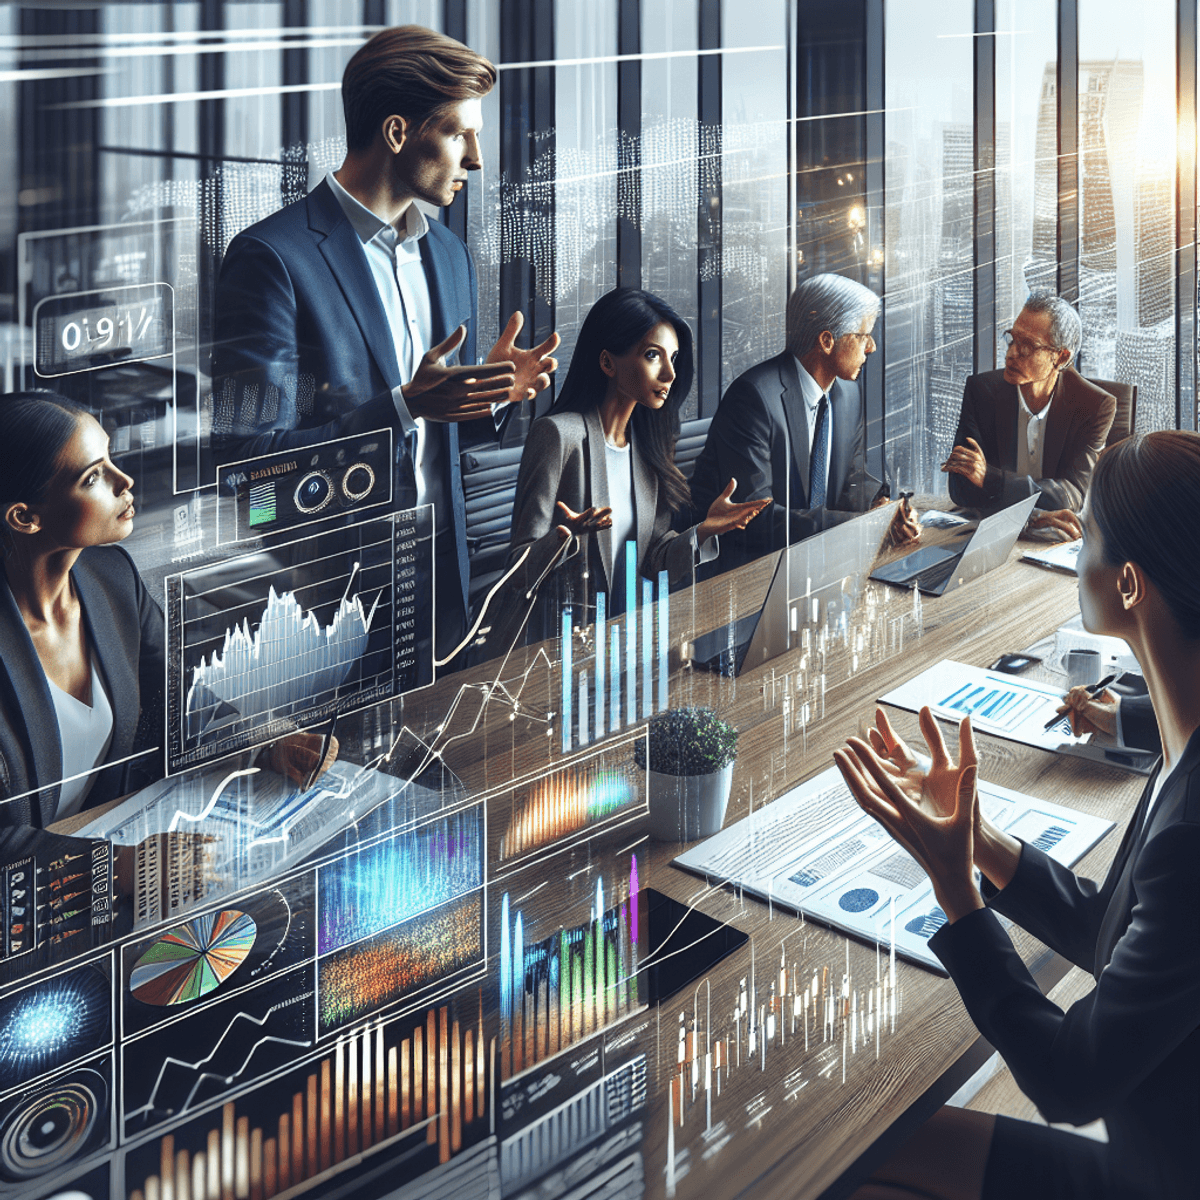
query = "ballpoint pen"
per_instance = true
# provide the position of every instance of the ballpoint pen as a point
(1094, 690)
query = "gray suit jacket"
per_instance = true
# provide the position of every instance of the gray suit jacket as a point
(1079, 420)
(759, 436)
(563, 460)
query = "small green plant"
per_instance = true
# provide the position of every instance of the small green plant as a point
(688, 741)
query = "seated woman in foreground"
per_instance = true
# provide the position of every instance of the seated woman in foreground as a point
(602, 463)
(1129, 1051)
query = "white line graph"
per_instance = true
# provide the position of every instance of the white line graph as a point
(288, 660)
(219, 1077)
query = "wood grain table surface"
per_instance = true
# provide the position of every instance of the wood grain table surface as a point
(795, 1122)
(788, 1129)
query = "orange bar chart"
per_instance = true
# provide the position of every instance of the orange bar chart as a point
(363, 1093)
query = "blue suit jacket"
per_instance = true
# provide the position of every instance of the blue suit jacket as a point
(303, 351)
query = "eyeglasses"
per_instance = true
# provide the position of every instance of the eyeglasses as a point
(1023, 348)
(863, 338)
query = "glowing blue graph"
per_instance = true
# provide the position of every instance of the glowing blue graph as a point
(52, 1023)
(386, 883)
(290, 659)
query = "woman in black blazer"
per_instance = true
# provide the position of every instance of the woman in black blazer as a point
(607, 450)
(79, 634)
(1129, 1051)
(81, 640)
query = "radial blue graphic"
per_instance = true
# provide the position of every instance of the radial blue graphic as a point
(858, 900)
(51, 1023)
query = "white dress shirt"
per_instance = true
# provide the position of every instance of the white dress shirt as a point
(810, 389)
(394, 257)
(1031, 437)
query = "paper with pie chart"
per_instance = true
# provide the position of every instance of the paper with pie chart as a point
(815, 851)
(194, 958)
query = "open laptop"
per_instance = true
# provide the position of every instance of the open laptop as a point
(936, 570)
(814, 582)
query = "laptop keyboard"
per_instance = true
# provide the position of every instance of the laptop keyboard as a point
(933, 577)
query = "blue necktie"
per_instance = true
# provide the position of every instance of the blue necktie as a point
(818, 467)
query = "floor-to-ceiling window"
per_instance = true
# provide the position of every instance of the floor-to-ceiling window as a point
(1127, 200)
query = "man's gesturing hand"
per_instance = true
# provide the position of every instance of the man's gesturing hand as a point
(969, 462)
(531, 369)
(439, 392)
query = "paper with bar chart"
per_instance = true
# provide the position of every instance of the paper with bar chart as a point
(1005, 705)
(293, 634)
(814, 850)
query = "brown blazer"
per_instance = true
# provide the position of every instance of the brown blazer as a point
(1079, 420)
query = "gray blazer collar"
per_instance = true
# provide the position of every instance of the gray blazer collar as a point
(26, 680)
(645, 494)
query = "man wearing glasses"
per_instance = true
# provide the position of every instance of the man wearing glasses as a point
(793, 428)
(1035, 426)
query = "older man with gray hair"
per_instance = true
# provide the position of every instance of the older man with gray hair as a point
(793, 427)
(1035, 426)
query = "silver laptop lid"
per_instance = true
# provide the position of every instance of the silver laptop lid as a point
(817, 580)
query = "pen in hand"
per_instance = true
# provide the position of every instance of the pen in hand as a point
(1094, 690)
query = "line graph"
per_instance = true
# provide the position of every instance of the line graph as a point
(216, 1076)
(290, 657)
(295, 633)
(174, 1069)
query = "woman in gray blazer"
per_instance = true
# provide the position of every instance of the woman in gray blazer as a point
(1128, 1051)
(599, 472)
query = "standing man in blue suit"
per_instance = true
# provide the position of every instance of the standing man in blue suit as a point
(349, 311)
(793, 427)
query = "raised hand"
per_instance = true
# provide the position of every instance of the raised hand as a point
(942, 845)
(438, 392)
(929, 782)
(576, 524)
(931, 813)
(724, 516)
(969, 462)
(531, 369)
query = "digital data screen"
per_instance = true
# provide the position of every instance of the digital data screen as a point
(291, 635)
(86, 331)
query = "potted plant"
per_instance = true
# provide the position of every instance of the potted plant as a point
(689, 773)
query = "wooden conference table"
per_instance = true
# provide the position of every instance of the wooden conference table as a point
(789, 1126)
(790, 1119)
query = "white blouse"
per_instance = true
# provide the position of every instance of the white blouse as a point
(619, 463)
(85, 731)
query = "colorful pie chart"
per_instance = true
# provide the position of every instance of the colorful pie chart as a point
(192, 959)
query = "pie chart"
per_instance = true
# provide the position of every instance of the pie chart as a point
(192, 959)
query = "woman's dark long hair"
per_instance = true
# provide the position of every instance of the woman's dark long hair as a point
(1144, 497)
(617, 322)
(35, 426)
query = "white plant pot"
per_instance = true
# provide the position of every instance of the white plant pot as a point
(684, 808)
